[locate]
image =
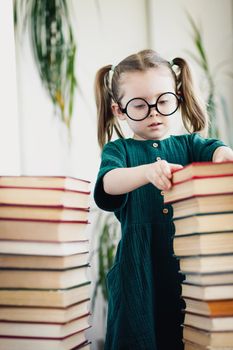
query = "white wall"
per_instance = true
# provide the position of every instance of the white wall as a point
(9, 128)
(171, 36)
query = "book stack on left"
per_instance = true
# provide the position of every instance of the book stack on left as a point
(202, 201)
(44, 266)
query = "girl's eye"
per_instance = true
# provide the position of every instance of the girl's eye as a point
(163, 102)
(140, 106)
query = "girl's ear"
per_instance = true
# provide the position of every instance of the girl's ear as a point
(117, 112)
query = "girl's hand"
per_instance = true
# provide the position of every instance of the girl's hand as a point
(223, 154)
(160, 173)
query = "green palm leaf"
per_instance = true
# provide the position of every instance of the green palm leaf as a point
(53, 47)
(108, 229)
(213, 98)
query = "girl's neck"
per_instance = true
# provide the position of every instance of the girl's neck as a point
(136, 137)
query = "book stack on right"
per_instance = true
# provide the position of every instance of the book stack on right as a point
(44, 263)
(202, 201)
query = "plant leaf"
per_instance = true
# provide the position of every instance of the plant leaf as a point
(54, 49)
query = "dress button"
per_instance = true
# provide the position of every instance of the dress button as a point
(158, 158)
(162, 193)
(165, 210)
(155, 144)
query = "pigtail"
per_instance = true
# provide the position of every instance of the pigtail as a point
(104, 96)
(194, 113)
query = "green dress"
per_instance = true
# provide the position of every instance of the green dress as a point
(144, 308)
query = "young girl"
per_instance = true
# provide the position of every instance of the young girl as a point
(144, 309)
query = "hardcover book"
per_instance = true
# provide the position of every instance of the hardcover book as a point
(207, 292)
(44, 314)
(203, 243)
(42, 212)
(42, 230)
(192, 346)
(206, 279)
(43, 248)
(43, 329)
(210, 324)
(65, 182)
(205, 338)
(199, 186)
(202, 169)
(45, 297)
(206, 263)
(43, 279)
(44, 196)
(73, 341)
(201, 223)
(211, 308)
(43, 261)
(207, 204)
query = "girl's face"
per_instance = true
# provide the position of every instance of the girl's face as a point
(148, 85)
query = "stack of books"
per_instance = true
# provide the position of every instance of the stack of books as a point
(202, 201)
(44, 267)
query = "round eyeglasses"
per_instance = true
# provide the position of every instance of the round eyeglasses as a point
(138, 109)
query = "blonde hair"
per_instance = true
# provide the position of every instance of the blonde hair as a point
(107, 89)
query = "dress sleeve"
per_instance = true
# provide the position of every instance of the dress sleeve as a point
(113, 156)
(202, 149)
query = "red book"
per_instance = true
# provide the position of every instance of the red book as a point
(203, 204)
(202, 169)
(44, 314)
(43, 212)
(61, 182)
(201, 179)
(221, 339)
(43, 279)
(45, 297)
(44, 329)
(44, 196)
(51, 248)
(42, 230)
(207, 323)
(76, 340)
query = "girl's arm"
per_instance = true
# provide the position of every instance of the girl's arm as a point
(123, 180)
(222, 154)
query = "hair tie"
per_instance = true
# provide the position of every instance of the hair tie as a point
(110, 75)
(108, 80)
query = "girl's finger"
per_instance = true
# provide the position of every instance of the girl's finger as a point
(174, 167)
(165, 168)
(164, 182)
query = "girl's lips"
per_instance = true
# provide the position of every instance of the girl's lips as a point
(154, 125)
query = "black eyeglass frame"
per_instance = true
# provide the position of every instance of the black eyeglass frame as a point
(124, 110)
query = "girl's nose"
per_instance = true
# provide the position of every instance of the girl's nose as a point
(153, 112)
